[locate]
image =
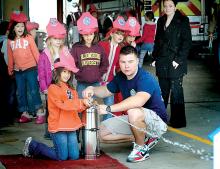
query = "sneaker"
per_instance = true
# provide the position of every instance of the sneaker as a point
(151, 142)
(24, 118)
(26, 152)
(40, 119)
(139, 153)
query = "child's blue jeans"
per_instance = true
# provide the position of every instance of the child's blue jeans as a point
(145, 47)
(28, 95)
(65, 147)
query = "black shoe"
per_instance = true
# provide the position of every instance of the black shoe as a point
(47, 136)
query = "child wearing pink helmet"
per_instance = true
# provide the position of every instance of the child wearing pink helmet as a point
(63, 120)
(89, 56)
(32, 28)
(23, 56)
(112, 47)
(133, 26)
(54, 50)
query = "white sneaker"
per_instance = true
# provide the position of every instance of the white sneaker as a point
(139, 153)
(26, 152)
(26, 114)
(151, 142)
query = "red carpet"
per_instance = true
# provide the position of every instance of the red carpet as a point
(20, 162)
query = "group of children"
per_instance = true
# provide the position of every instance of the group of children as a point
(93, 63)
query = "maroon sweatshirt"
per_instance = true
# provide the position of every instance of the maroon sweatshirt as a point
(92, 62)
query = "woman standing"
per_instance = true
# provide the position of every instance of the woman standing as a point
(172, 44)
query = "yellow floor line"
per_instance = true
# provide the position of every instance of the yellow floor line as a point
(200, 139)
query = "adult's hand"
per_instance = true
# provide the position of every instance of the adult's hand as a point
(210, 35)
(88, 102)
(153, 63)
(175, 64)
(133, 44)
(102, 109)
(88, 92)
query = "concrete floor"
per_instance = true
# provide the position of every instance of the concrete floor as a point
(202, 97)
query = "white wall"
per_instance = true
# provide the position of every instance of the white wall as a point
(41, 11)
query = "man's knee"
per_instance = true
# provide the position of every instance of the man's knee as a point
(103, 131)
(135, 115)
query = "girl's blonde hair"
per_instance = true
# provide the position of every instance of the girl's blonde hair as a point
(50, 47)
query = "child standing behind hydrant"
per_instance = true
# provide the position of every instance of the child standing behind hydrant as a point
(55, 47)
(32, 28)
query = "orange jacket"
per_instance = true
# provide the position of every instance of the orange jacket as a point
(63, 106)
(22, 54)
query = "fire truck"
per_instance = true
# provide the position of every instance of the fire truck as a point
(198, 11)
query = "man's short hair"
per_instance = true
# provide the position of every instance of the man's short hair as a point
(128, 50)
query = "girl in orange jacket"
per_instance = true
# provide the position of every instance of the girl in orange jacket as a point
(63, 119)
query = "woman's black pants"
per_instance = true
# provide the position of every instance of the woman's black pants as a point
(172, 88)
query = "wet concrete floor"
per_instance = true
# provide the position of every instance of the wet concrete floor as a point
(202, 101)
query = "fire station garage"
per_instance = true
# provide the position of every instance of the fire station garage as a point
(195, 145)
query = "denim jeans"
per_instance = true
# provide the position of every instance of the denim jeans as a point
(81, 86)
(65, 147)
(28, 95)
(108, 101)
(145, 47)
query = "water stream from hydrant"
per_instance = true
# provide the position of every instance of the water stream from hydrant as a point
(201, 152)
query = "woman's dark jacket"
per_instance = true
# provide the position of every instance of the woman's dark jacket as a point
(172, 44)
